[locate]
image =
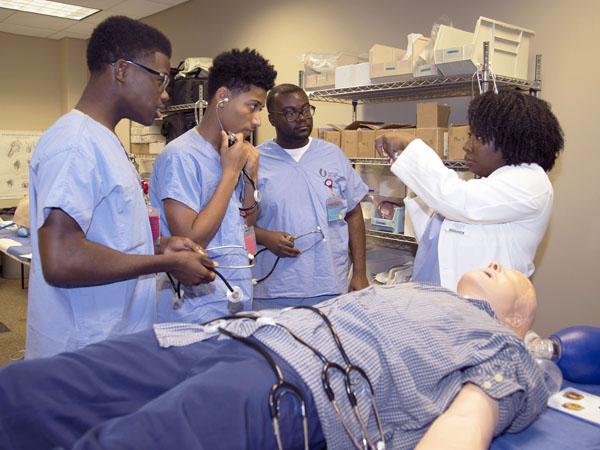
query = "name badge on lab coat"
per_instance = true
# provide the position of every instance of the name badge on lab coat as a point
(462, 229)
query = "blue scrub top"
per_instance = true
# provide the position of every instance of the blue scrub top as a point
(294, 200)
(189, 170)
(81, 167)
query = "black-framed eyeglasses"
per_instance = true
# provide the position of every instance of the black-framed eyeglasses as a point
(291, 115)
(164, 76)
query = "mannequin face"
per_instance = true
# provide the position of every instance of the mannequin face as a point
(510, 294)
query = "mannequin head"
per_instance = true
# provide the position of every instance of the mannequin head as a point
(510, 294)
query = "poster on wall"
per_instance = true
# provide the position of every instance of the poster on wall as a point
(16, 148)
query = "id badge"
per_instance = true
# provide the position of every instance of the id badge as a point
(250, 239)
(334, 209)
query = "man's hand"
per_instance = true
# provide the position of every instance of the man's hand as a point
(358, 282)
(252, 162)
(279, 243)
(234, 158)
(390, 145)
(192, 268)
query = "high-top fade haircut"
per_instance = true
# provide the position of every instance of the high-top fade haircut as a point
(120, 37)
(239, 70)
(521, 125)
(280, 89)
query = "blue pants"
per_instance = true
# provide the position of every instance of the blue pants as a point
(130, 393)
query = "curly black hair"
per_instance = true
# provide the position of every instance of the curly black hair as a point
(286, 88)
(521, 125)
(239, 70)
(120, 37)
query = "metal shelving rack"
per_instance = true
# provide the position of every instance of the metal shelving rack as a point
(422, 89)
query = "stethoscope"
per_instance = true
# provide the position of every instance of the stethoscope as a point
(328, 366)
(232, 139)
(234, 293)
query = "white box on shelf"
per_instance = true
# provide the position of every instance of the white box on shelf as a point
(352, 75)
(458, 52)
(426, 71)
(147, 138)
(390, 64)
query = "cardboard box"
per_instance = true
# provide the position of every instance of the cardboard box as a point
(366, 144)
(148, 148)
(349, 137)
(457, 137)
(333, 136)
(436, 138)
(352, 75)
(390, 64)
(147, 138)
(326, 79)
(432, 115)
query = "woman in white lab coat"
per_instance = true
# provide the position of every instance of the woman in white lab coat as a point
(501, 215)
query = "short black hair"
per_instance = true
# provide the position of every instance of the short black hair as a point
(239, 70)
(521, 125)
(286, 88)
(120, 37)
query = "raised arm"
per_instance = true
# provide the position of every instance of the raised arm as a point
(202, 226)
(468, 424)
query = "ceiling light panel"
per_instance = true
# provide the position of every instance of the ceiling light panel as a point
(49, 8)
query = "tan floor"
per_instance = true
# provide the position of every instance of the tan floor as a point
(13, 314)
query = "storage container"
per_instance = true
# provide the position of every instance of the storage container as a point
(458, 52)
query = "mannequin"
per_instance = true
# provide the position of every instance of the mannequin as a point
(510, 294)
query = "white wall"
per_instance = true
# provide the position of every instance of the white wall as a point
(281, 31)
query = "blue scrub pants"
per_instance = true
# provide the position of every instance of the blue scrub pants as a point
(130, 393)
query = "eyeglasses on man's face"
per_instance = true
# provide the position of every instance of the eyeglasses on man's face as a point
(163, 76)
(292, 115)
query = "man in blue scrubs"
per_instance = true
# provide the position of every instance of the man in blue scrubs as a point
(197, 183)
(307, 185)
(93, 269)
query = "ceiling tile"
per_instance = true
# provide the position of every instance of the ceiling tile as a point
(95, 19)
(81, 28)
(69, 34)
(137, 8)
(4, 13)
(27, 31)
(170, 2)
(38, 21)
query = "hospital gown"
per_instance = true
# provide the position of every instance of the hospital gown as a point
(188, 170)
(418, 344)
(81, 167)
(294, 199)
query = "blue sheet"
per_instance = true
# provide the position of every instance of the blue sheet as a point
(555, 430)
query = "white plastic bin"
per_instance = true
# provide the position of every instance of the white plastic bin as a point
(458, 52)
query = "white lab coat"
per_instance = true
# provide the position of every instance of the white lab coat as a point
(502, 217)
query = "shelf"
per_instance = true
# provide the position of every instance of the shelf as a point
(427, 88)
(183, 107)
(456, 165)
(392, 240)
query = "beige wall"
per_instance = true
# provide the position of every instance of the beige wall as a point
(281, 31)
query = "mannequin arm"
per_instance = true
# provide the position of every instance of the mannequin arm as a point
(469, 423)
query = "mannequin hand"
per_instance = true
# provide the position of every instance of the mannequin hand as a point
(391, 144)
(234, 158)
(281, 244)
